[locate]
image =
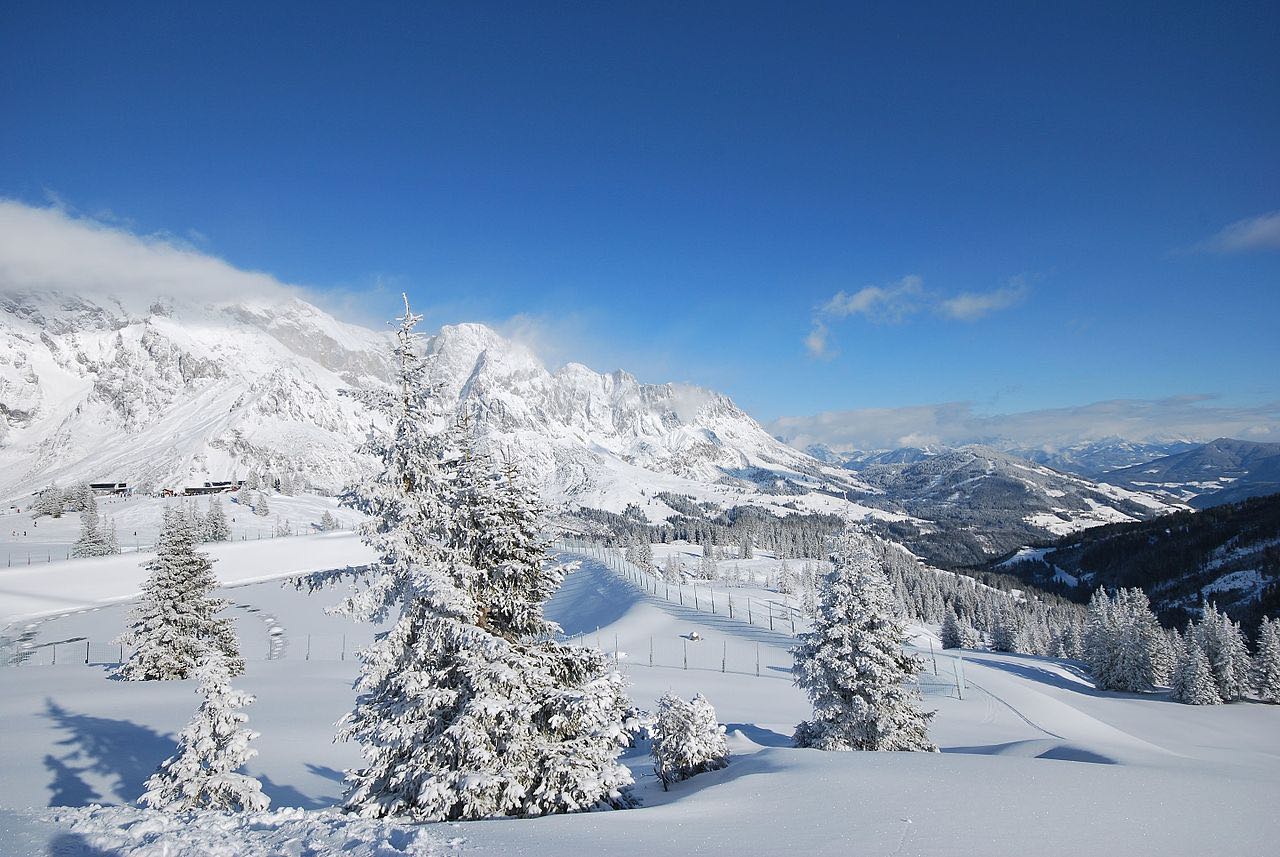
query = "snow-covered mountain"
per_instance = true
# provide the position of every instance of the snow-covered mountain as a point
(1221, 471)
(983, 502)
(1087, 458)
(1096, 457)
(606, 440)
(170, 393)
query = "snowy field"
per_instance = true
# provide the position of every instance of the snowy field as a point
(25, 540)
(1034, 761)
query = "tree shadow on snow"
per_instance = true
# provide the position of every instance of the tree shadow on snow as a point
(1041, 675)
(1036, 748)
(589, 598)
(327, 772)
(759, 735)
(67, 786)
(105, 747)
(75, 845)
(283, 795)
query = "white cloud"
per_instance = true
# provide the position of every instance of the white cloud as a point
(816, 341)
(953, 423)
(1252, 233)
(969, 306)
(899, 301)
(891, 303)
(50, 249)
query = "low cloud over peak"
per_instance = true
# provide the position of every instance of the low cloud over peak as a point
(54, 250)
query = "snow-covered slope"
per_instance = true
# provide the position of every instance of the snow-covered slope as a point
(1035, 759)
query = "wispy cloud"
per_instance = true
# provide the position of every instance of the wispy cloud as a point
(1190, 417)
(1252, 233)
(970, 306)
(898, 301)
(891, 303)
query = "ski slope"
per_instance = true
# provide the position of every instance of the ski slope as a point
(1035, 760)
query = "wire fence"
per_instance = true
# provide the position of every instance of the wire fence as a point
(763, 630)
(45, 554)
(769, 622)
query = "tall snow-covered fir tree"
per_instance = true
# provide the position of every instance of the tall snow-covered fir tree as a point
(176, 623)
(1008, 635)
(465, 710)
(1193, 682)
(1125, 646)
(216, 528)
(96, 537)
(1223, 644)
(261, 507)
(687, 739)
(1266, 662)
(851, 663)
(952, 635)
(204, 773)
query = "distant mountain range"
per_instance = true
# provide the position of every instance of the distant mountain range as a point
(1090, 458)
(1222, 471)
(980, 502)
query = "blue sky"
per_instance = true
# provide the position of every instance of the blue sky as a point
(1052, 207)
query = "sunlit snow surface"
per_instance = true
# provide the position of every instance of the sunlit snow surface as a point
(1035, 760)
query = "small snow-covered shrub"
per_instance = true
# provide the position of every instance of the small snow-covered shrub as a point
(211, 750)
(687, 740)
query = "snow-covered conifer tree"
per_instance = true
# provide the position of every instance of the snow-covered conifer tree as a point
(745, 548)
(851, 663)
(707, 569)
(1223, 644)
(687, 740)
(95, 539)
(1099, 639)
(1138, 646)
(1193, 681)
(216, 528)
(112, 541)
(260, 506)
(176, 622)
(204, 773)
(466, 709)
(1008, 633)
(786, 579)
(50, 501)
(951, 634)
(328, 523)
(1266, 663)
